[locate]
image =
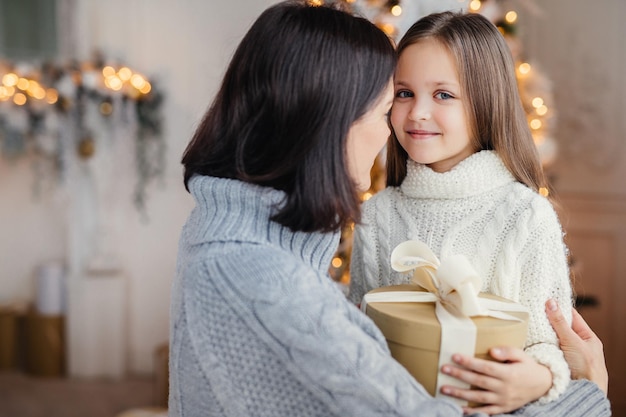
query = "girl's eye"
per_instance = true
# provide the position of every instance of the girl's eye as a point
(404, 94)
(442, 95)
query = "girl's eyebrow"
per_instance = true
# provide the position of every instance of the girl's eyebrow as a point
(435, 83)
(446, 83)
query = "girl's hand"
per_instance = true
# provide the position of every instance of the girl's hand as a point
(500, 386)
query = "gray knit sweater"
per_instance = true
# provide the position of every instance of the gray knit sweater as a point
(259, 329)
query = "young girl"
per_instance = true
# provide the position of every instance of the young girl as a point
(463, 177)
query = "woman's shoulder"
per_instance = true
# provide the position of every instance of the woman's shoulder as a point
(251, 269)
(263, 283)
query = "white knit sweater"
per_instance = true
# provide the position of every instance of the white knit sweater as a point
(511, 235)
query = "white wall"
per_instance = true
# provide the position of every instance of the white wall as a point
(184, 45)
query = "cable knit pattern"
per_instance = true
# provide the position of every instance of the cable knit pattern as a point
(511, 235)
(258, 328)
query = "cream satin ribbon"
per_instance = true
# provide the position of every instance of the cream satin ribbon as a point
(453, 285)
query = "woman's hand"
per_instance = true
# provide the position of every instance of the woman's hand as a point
(501, 386)
(583, 350)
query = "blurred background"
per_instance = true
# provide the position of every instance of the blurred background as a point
(97, 103)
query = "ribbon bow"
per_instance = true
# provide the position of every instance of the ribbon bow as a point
(453, 284)
(454, 281)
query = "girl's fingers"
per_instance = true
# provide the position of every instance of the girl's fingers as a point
(479, 380)
(508, 354)
(481, 366)
(475, 396)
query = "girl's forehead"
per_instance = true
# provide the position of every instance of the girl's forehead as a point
(430, 45)
(427, 57)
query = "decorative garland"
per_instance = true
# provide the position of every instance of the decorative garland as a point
(43, 113)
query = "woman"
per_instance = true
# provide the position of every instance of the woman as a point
(258, 327)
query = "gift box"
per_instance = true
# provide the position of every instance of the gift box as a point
(413, 333)
(441, 313)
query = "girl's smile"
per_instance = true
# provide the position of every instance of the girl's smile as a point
(419, 134)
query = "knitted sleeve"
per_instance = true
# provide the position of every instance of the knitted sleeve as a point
(582, 398)
(544, 274)
(313, 337)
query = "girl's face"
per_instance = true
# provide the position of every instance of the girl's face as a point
(428, 115)
(366, 138)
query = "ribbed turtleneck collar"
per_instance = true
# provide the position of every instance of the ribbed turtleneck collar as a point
(479, 173)
(229, 210)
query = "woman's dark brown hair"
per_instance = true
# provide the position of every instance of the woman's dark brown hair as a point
(297, 81)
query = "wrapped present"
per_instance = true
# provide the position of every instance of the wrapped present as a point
(441, 313)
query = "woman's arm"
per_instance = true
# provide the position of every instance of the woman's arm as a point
(308, 333)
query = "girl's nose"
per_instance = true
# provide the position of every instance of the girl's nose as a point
(419, 111)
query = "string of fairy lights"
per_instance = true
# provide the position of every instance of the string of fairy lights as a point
(20, 89)
(534, 87)
(45, 110)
